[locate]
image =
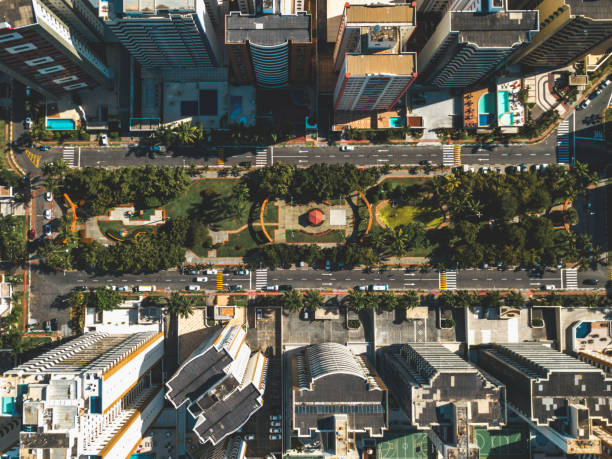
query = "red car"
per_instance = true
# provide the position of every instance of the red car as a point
(31, 234)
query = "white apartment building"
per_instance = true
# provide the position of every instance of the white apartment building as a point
(93, 396)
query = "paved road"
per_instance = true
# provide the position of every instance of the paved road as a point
(588, 131)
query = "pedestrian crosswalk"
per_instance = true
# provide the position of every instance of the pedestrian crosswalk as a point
(261, 278)
(261, 157)
(68, 155)
(571, 278)
(219, 280)
(220, 157)
(448, 280)
(563, 142)
(448, 154)
(457, 155)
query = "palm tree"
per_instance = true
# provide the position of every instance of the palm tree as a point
(313, 300)
(51, 185)
(409, 300)
(180, 305)
(185, 133)
(358, 300)
(292, 300)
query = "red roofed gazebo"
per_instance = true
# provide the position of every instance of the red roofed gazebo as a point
(315, 217)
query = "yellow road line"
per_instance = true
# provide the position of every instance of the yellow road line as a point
(219, 280)
(220, 157)
(443, 280)
(34, 159)
(457, 155)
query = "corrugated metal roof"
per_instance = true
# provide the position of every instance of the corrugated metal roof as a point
(396, 64)
(380, 14)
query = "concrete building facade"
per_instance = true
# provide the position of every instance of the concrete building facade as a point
(557, 395)
(92, 397)
(445, 395)
(468, 46)
(374, 68)
(41, 50)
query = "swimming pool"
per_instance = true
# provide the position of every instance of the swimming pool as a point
(486, 103)
(60, 124)
(397, 121)
(506, 119)
(503, 102)
(583, 329)
(485, 119)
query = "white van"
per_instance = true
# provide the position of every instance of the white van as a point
(548, 287)
(146, 288)
(379, 287)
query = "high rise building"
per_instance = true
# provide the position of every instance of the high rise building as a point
(42, 51)
(569, 30)
(557, 395)
(334, 390)
(94, 396)
(81, 15)
(221, 383)
(442, 6)
(374, 67)
(468, 46)
(445, 395)
(270, 50)
(170, 35)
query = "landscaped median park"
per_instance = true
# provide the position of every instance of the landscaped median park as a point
(338, 216)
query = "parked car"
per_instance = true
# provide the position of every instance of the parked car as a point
(47, 326)
(31, 234)
(259, 314)
(425, 162)
(249, 437)
(193, 288)
(28, 91)
(44, 148)
(48, 196)
(305, 314)
(595, 93)
(242, 272)
(47, 230)
(194, 272)
(201, 279)
(47, 214)
(235, 288)
(270, 288)
(590, 281)
(81, 288)
(275, 423)
(347, 148)
(548, 287)
(275, 437)
(123, 288)
(275, 430)
(210, 272)
(104, 140)
(154, 148)
(53, 323)
(379, 287)
(362, 287)
(285, 287)
(27, 123)
(523, 167)
(145, 288)
(584, 104)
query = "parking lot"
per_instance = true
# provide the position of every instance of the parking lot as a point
(299, 331)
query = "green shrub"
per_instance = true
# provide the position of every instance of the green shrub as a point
(447, 323)
(354, 324)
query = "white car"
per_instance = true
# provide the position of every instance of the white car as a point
(548, 287)
(210, 272)
(123, 288)
(193, 288)
(201, 279)
(347, 148)
(27, 123)
(47, 214)
(275, 423)
(48, 196)
(104, 140)
(249, 437)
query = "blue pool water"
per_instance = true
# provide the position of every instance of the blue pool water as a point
(141, 456)
(486, 104)
(583, 330)
(484, 119)
(60, 124)
(8, 405)
(397, 121)
(503, 102)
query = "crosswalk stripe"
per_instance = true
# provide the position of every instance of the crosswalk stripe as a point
(261, 158)
(68, 155)
(34, 158)
(261, 278)
(219, 280)
(448, 280)
(457, 155)
(571, 278)
(563, 142)
(448, 154)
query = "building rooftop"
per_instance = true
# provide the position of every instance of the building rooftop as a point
(18, 13)
(267, 30)
(332, 358)
(397, 64)
(503, 29)
(153, 6)
(594, 9)
(375, 14)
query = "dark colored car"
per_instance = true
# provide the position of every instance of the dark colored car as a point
(44, 148)
(285, 287)
(81, 288)
(31, 234)
(54, 326)
(235, 288)
(590, 281)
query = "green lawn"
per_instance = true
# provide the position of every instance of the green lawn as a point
(33, 342)
(300, 236)
(114, 226)
(239, 244)
(409, 214)
(510, 442)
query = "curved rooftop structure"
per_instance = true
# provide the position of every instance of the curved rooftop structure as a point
(332, 358)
